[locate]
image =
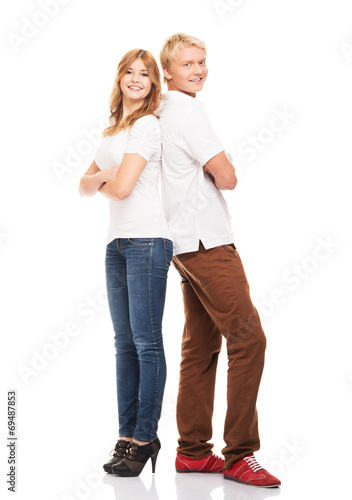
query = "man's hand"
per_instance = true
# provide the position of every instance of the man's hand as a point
(206, 171)
(222, 171)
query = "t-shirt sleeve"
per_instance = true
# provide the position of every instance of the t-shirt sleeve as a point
(200, 140)
(145, 137)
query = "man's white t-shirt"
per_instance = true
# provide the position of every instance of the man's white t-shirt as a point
(195, 209)
(140, 215)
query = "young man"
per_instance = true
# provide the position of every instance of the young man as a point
(215, 289)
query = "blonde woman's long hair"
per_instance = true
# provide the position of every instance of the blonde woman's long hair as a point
(151, 102)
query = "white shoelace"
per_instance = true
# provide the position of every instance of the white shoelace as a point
(253, 464)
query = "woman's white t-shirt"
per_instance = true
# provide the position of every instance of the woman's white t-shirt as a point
(140, 215)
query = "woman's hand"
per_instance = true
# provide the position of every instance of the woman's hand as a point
(108, 175)
(131, 168)
(94, 178)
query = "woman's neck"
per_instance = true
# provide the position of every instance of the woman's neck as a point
(129, 107)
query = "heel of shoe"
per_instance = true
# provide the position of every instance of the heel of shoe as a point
(153, 458)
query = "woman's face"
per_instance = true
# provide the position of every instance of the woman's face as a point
(136, 84)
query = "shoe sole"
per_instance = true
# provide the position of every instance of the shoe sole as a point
(127, 474)
(255, 485)
(200, 471)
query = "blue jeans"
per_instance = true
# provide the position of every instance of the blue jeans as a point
(136, 275)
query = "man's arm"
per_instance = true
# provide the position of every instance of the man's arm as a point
(222, 171)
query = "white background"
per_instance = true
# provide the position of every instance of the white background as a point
(265, 58)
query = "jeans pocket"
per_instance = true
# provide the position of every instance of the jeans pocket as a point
(168, 251)
(140, 241)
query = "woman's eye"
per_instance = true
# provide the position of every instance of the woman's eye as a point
(145, 74)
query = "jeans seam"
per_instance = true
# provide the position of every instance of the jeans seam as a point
(151, 315)
(167, 262)
(150, 256)
(139, 244)
(164, 245)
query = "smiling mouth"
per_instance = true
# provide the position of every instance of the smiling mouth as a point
(133, 87)
(197, 80)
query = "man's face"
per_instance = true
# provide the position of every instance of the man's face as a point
(188, 71)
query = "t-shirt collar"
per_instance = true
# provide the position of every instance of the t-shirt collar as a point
(175, 94)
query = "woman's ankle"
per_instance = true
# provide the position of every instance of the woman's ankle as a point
(140, 443)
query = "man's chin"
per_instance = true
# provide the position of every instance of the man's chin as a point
(193, 89)
(197, 87)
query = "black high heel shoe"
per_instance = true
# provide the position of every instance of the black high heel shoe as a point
(136, 458)
(119, 453)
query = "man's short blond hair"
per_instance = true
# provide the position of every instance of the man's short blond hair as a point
(172, 45)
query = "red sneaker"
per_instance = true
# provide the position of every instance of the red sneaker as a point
(212, 463)
(248, 471)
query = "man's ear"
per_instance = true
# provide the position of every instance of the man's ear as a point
(167, 74)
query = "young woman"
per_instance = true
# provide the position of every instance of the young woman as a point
(138, 255)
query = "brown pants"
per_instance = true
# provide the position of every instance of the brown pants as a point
(217, 303)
